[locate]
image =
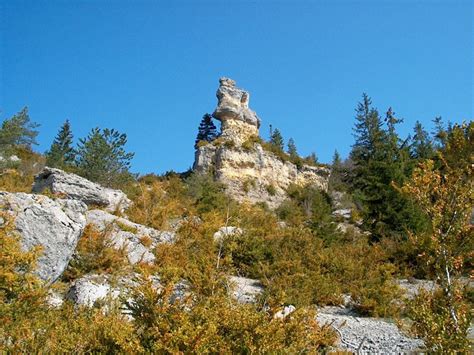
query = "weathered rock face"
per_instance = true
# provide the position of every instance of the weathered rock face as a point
(75, 187)
(129, 235)
(238, 121)
(249, 172)
(55, 225)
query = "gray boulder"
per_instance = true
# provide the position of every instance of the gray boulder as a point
(244, 290)
(129, 235)
(89, 289)
(93, 288)
(74, 187)
(55, 225)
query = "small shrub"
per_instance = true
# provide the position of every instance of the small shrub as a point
(433, 321)
(202, 143)
(271, 190)
(126, 227)
(248, 184)
(95, 253)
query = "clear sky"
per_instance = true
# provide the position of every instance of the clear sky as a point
(151, 68)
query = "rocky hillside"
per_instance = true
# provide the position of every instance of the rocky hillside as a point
(96, 259)
(238, 159)
(56, 224)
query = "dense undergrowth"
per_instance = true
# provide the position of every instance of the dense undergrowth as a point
(409, 218)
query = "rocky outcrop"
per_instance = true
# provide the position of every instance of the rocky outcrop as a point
(238, 160)
(55, 225)
(74, 187)
(245, 290)
(92, 289)
(238, 121)
(137, 240)
(365, 335)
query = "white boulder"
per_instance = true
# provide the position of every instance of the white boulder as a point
(55, 225)
(137, 239)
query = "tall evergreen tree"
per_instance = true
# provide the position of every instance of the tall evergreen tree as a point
(18, 130)
(381, 159)
(421, 145)
(276, 140)
(368, 132)
(207, 130)
(336, 178)
(440, 134)
(292, 148)
(61, 154)
(101, 157)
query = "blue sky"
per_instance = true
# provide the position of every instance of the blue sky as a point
(151, 68)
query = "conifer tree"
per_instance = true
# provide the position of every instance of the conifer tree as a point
(313, 158)
(336, 160)
(381, 159)
(439, 133)
(61, 154)
(367, 131)
(336, 177)
(101, 157)
(18, 130)
(207, 130)
(292, 148)
(276, 140)
(421, 146)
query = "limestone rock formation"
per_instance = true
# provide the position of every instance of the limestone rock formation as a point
(238, 121)
(75, 187)
(237, 159)
(129, 235)
(55, 225)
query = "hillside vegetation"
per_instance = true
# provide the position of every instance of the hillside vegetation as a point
(409, 203)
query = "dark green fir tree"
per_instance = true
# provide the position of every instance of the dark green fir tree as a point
(207, 130)
(61, 154)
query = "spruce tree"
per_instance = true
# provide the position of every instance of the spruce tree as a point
(368, 132)
(61, 154)
(207, 130)
(276, 140)
(421, 146)
(336, 177)
(380, 160)
(292, 148)
(101, 157)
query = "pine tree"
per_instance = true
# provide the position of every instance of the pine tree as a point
(101, 157)
(207, 130)
(61, 154)
(421, 146)
(18, 130)
(292, 148)
(276, 140)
